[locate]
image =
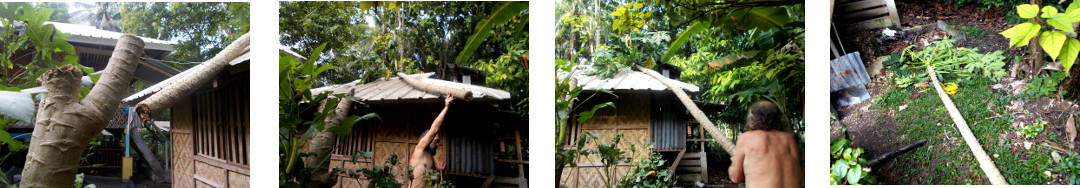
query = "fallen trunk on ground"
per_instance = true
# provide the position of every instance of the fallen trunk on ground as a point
(165, 98)
(893, 154)
(434, 89)
(985, 162)
(690, 106)
(65, 124)
(322, 144)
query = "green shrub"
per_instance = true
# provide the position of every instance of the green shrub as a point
(647, 173)
(1070, 166)
(849, 166)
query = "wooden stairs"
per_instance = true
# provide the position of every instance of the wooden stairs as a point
(691, 167)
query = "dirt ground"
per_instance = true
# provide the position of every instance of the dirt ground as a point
(875, 128)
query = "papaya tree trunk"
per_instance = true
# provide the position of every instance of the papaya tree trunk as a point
(1036, 52)
(65, 124)
(322, 144)
(690, 106)
(984, 160)
(165, 98)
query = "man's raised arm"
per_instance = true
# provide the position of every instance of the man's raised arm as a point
(430, 135)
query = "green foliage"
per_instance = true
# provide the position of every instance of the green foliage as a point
(201, 29)
(377, 176)
(1031, 131)
(849, 167)
(647, 173)
(1053, 42)
(79, 182)
(295, 84)
(502, 13)
(949, 61)
(973, 32)
(630, 17)
(1070, 166)
(1044, 86)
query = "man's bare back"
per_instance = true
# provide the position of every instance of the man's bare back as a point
(766, 159)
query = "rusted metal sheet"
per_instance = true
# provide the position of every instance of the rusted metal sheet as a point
(668, 122)
(471, 152)
(847, 71)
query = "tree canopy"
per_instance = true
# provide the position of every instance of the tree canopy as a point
(202, 29)
(368, 40)
(738, 52)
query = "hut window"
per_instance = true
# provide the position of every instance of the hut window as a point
(222, 123)
(360, 140)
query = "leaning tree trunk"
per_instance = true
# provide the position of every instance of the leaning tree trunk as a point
(323, 143)
(690, 106)
(165, 98)
(65, 124)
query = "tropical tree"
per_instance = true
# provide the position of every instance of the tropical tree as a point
(202, 29)
(101, 15)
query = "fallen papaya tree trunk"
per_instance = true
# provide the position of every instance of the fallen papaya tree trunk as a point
(694, 111)
(893, 154)
(322, 144)
(165, 98)
(65, 124)
(435, 89)
(985, 162)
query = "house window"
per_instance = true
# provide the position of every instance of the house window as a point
(222, 123)
(359, 140)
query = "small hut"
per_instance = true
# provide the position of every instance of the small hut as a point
(646, 113)
(209, 129)
(482, 144)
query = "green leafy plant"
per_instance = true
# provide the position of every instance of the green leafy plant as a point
(567, 92)
(1070, 166)
(1044, 86)
(973, 32)
(849, 167)
(1031, 131)
(1053, 39)
(377, 176)
(79, 182)
(647, 173)
(946, 58)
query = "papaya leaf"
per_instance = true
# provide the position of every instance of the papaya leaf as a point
(695, 28)
(1051, 42)
(1027, 11)
(1021, 34)
(500, 15)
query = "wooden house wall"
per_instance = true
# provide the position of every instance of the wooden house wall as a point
(631, 118)
(211, 135)
(396, 134)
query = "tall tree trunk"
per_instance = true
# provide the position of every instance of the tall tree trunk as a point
(322, 145)
(165, 98)
(65, 124)
(690, 106)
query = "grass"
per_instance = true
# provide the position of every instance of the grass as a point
(950, 161)
(973, 32)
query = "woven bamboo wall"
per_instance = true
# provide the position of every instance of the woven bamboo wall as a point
(631, 118)
(182, 165)
(398, 134)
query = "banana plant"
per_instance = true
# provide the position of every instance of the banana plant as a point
(502, 13)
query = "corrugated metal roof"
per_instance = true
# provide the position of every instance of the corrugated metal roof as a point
(161, 85)
(847, 71)
(90, 34)
(625, 79)
(392, 89)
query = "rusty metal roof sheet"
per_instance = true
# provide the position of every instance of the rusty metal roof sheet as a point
(847, 71)
(625, 79)
(392, 89)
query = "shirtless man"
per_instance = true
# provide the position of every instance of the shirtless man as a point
(423, 156)
(767, 155)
